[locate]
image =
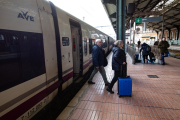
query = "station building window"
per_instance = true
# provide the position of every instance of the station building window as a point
(171, 37)
(176, 35)
(168, 34)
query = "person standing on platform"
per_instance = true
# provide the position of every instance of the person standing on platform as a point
(139, 43)
(146, 49)
(98, 62)
(118, 59)
(157, 42)
(163, 45)
(127, 42)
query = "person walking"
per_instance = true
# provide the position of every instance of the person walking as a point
(139, 43)
(98, 62)
(146, 49)
(157, 42)
(118, 59)
(163, 45)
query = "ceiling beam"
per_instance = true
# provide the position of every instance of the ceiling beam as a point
(112, 15)
(147, 5)
(114, 22)
(171, 8)
(167, 19)
(155, 4)
(109, 2)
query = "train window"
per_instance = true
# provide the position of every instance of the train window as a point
(1, 37)
(91, 44)
(104, 43)
(85, 46)
(103, 40)
(14, 43)
(65, 41)
(10, 68)
(21, 57)
(3, 43)
(167, 34)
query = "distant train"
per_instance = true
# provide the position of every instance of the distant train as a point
(42, 50)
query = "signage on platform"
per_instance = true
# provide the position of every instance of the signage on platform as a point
(149, 19)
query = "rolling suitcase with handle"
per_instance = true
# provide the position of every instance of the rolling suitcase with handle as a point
(124, 84)
(124, 87)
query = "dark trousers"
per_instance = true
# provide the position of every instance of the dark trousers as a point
(121, 73)
(162, 56)
(115, 78)
(144, 57)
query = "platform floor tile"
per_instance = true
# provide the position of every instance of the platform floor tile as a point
(152, 98)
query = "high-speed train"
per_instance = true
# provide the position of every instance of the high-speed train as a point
(42, 50)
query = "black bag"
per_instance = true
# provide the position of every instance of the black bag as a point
(152, 57)
(105, 62)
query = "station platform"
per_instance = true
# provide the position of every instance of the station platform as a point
(152, 98)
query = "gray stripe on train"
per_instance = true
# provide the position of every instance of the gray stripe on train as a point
(19, 98)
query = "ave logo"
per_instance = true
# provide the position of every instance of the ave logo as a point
(25, 16)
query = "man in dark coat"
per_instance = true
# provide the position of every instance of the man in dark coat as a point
(139, 43)
(98, 62)
(163, 45)
(145, 53)
(157, 42)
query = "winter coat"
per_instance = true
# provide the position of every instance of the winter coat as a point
(98, 56)
(118, 58)
(163, 45)
(156, 43)
(143, 47)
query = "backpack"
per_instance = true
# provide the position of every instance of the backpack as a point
(152, 57)
(148, 48)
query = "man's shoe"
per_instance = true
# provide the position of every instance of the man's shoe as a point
(91, 82)
(109, 90)
(107, 84)
(163, 64)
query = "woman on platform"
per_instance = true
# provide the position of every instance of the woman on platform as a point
(118, 60)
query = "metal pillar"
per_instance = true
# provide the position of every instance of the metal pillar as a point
(134, 32)
(169, 30)
(144, 26)
(121, 7)
(157, 34)
(130, 33)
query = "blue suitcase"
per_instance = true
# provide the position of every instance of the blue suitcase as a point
(124, 86)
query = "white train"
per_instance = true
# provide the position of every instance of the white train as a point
(42, 49)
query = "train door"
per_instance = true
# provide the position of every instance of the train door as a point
(76, 49)
(50, 46)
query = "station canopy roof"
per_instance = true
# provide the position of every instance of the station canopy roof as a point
(170, 9)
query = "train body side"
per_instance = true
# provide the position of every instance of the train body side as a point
(37, 54)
